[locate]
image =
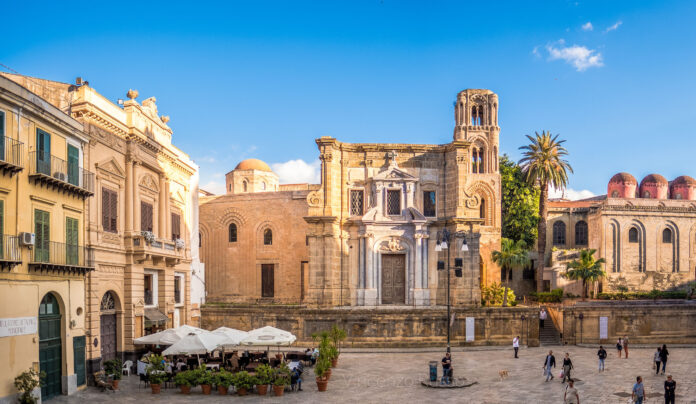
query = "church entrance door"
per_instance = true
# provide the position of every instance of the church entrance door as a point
(393, 278)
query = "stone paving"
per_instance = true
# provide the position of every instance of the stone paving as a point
(396, 377)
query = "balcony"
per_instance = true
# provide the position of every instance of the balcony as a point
(60, 174)
(51, 257)
(147, 246)
(10, 254)
(11, 152)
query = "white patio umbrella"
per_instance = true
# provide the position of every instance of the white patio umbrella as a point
(168, 336)
(232, 336)
(267, 336)
(196, 344)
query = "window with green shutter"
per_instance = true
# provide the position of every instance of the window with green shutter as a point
(2, 229)
(2, 135)
(71, 241)
(73, 165)
(43, 152)
(42, 229)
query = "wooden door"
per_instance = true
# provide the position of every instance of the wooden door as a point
(79, 359)
(267, 280)
(108, 336)
(393, 279)
(50, 347)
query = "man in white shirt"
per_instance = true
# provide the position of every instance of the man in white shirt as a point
(542, 317)
(516, 344)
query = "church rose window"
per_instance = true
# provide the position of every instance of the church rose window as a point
(393, 202)
(356, 202)
(559, 233)
(429, 203)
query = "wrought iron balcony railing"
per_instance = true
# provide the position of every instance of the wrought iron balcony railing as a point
(61, 255)
(59, 172)
(11, 152)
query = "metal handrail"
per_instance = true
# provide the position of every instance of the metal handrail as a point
(51, 252)
(9, 248)
(11, 151)
(52, 166)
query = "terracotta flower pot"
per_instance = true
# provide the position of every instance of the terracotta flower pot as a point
(185, 389)
(115, 384)
(242, 391)
(262, 389)
(322, 383)
(328, 374)
(155, 388)
(206, 388)
(278, 390)
(222, 390)
(334, 362)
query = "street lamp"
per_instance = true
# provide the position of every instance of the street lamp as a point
(444, 238)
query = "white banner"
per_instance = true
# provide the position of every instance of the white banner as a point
(11, 327)
(469, 329)
(603, 325)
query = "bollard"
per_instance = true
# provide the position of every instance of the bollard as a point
(433, 371)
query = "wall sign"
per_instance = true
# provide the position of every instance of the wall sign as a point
(11, 327)
(603, 322)
(469, 329)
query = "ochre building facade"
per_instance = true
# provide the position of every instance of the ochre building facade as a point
(369, 232)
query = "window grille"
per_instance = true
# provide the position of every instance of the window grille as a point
(581, 233)
(393, 202)
(356, 202)
(559, 233)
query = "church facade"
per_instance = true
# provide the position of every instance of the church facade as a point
(371, 233)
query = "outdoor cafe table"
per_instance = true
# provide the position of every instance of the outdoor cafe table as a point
(212, 366)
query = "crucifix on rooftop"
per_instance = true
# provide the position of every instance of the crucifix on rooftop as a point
(392, 155)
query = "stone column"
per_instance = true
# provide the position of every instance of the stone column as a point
(162, 228)
(421, 293)
(136, 199)
(371, 294)
(167, 218)
(129, 196)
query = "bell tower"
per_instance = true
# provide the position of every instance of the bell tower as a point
(475, 113)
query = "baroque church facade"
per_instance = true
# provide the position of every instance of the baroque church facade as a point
(371, 233)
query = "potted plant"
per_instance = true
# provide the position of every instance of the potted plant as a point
(264, 377)
(332, 353)
(205, 379)
(243, 381)
(155, 373)
(281, 379)
(26, 382)
(337, 335)
(185, 380)
(223, 380)
(114, 367)
(321, 369)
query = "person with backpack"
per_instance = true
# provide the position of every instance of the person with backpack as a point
(602, 355)
(619, 347)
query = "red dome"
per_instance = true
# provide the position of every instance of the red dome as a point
(654, 179)
(624, 178)
(654, 186)
(684, 180)
(683, 187)
(622, 185)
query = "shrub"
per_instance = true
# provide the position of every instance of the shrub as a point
(493, 295)
(186, 378)
(322, 366)
(265, 374)
(282, 375)
(114, 367)
(205, 377)
(223, 378)
(26, 382)
(243, 380)
(554, 296)
(653, 294)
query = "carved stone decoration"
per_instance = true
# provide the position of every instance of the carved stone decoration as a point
(132, 94)
(150, 107)
(165, 118)
(393, 245)
(315, 199)
(422, 234)
(472, 201)
(325, 157)
(148, 182)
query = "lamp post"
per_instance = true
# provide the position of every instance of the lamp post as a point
(444, 239)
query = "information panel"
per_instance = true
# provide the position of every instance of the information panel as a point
(11, 327)
(603, 325)
(470, 328)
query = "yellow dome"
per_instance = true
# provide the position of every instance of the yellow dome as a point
(253, 164)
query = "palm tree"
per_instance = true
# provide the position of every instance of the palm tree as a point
(512, 254)
(586, 268)
(543, 164)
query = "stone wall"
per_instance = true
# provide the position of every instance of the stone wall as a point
(643, 322)
(383, 327)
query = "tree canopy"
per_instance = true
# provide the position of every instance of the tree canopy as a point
(520, 208)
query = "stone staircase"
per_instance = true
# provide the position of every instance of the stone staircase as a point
(549, 336)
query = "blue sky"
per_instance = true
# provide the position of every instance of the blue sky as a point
(263, 79)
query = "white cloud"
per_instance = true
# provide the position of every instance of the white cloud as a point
(215, 187)
(536, 52)
(580, 57)
(297, 171)
(570, 194)
(206, 159)
(614, 27)
(587, 26)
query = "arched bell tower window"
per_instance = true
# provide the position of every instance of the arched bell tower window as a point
(482, 210)
(268, 237)
(232, 236)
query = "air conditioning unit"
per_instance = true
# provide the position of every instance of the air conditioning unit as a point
(27, 239)
(59, 175)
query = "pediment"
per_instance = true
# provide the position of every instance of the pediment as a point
(111, 166)
(147, 181)
(179, 197)
(394, 174)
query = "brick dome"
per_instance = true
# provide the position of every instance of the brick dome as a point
(622, 185)
(654, 186)
(253, 164)
(683, 187)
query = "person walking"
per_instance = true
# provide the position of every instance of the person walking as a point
(656, 358)
(619, 346)
(638, 392)
(542, 317)
(625, 346)
(447, 369)
(567, 367)
(516, 345)
(670, 386)
(602, 355)
(571, 395)
(549, 362)
(663, 357)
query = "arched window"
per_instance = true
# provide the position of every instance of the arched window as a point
(633, 235)
(559, 233)
(646, 194)
(667, 236)
(49, 305)
(267, 237)
(108, 302)
(614, 194)
(581, 233)
(263, 185)
(230, 187)
(474, 157)
(244, 186)
(232, 233)
(200, 240)
(482, 210)
(677, 195)
(480, 161)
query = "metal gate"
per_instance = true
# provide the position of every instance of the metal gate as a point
(108, 336)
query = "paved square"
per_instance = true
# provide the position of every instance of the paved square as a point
(395, 377)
